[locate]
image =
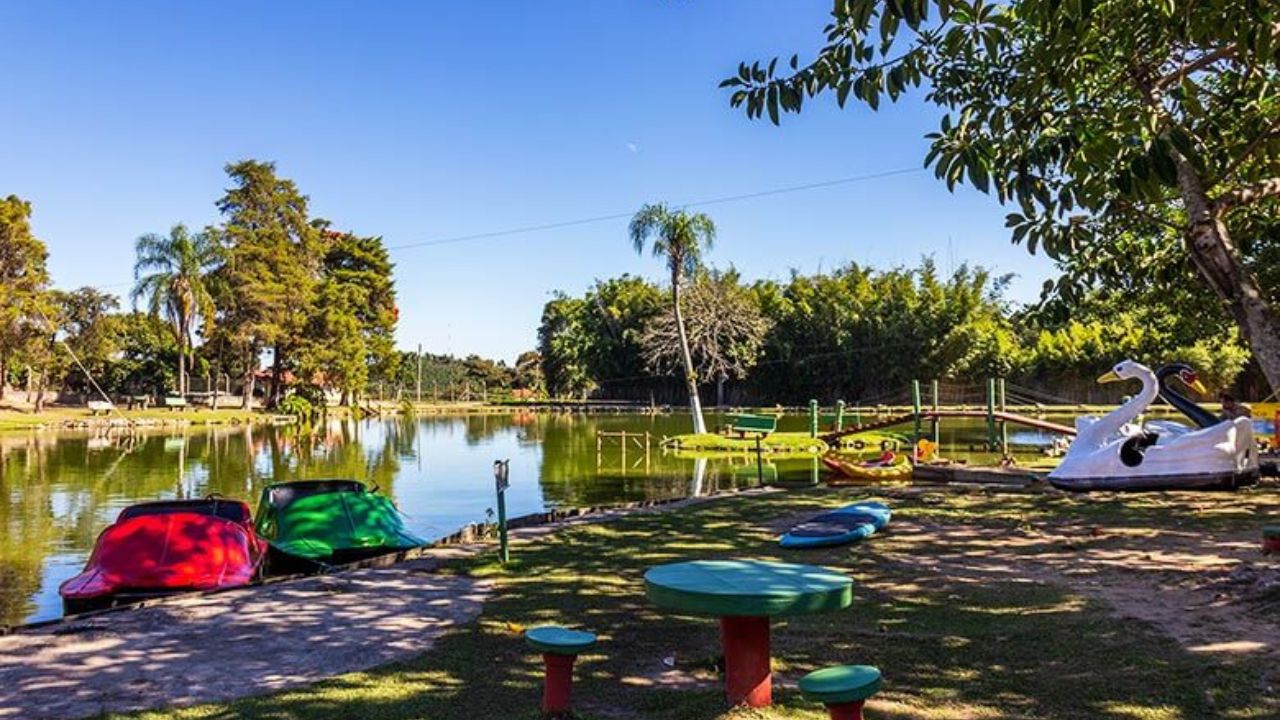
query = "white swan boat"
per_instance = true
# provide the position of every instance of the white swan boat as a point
(1106, 456)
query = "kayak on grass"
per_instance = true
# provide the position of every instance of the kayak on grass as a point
(838, 527)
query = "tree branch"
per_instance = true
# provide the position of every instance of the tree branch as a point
(1200, 63)
(1246, 195)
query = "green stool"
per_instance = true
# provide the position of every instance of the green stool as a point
(560, 647)
(843, 689)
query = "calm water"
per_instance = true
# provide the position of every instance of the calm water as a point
(58, 490)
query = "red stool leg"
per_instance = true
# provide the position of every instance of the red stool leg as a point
(846, 711)
(559, 683)
(747, 676)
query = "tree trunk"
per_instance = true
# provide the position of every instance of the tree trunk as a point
(1218, 260)
(4, 371)
(277, 373)
(720, 391)
(40, 392)
(691, 378)
(250, 367)
(182, 368)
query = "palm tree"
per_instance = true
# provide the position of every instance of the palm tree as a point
(680, 238)
(172, 272)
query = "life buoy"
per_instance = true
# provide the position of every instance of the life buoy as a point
(859, 445)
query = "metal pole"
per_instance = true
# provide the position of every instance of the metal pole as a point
(759, 462)
(839, 415)
(813, 418)
(1004, 426)
(915, 411)
(419, 372)
(991, 413)
(937, 419)
(501, 477)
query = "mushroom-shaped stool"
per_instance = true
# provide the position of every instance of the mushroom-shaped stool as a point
(843, 689)
(560, 647)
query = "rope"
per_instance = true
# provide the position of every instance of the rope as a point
(54, 329)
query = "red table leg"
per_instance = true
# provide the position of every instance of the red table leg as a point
(559, 683)
(846, 711)
(747, 676)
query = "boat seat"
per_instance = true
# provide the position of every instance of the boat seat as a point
(556, 640)
(841, 684)
(284, 494)
(232, 510)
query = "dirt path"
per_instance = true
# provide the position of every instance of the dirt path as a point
(216, 647)
(1212, 592)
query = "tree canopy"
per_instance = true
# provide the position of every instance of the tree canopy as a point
(1152, 120)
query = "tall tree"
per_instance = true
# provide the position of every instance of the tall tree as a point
(680, 238)
(273, 256)
(726, 331)
(1092, 117)
(172, 274)
(351, 334)
(91, 330)
(23, 279)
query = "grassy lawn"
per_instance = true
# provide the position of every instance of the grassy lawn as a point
(777, 442)
(11, 419)
(949, 646)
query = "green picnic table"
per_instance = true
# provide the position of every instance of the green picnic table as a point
(744, 595)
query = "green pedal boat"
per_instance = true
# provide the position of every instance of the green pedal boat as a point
(328, 522)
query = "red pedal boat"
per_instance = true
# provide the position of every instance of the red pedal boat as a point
(164, 547)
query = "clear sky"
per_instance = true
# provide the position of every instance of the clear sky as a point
(422, 121)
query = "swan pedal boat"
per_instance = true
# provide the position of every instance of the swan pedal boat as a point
(165, 547)
(898, 469)
(310, 523)
(1109, 454)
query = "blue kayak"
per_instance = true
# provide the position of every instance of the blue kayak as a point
(849, 523)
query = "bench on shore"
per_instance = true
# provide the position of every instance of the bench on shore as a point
(759, 424)
(175, 403)
(99, 407)
(138, 402)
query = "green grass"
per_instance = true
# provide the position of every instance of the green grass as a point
(949, 648)
(777, 442)
(59, 416)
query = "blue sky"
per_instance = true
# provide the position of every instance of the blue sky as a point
(420, 121)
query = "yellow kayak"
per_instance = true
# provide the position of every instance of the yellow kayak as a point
(898, 468)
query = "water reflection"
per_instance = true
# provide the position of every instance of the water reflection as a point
(58, 490)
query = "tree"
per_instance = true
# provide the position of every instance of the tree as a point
(350, 336)
(23, 279)
(90, 331)
(172, 274)
(564, 345)
(680, 238)
(726, 331)
(269, 279)
(1093, 118)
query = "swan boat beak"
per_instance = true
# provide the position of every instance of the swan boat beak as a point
(1198, 387)
(1110, 378)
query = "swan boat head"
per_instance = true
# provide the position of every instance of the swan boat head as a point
(1104, 457)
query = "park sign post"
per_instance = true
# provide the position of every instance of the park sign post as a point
(502, 480)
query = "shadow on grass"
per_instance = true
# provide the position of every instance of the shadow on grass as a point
(1004, 649)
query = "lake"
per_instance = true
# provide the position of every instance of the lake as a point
(58, 490)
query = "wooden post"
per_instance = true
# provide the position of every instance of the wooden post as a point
(839, 415)
(915, 411)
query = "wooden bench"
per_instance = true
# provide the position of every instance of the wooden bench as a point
(760, 424)
(175, 403)
(139, 402)
(843, 689)
(99, 406)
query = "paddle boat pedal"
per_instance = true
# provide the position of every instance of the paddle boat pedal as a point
(843, 689)
(560, 647)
